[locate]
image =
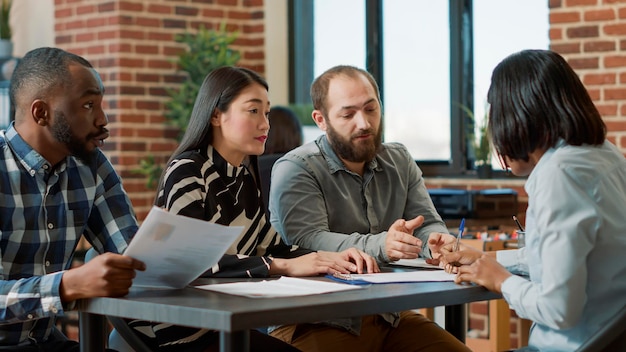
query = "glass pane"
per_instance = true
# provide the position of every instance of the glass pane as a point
(337, 47)
(416, 72)
(502, 27)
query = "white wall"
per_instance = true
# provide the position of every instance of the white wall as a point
(32, 24)
(276, 51)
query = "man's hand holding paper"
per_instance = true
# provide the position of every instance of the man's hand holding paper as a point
(177, 249)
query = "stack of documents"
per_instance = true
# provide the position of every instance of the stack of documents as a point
(289, 286)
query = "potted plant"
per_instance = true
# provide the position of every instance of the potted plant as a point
(6, 46)
(206, 50)
(479, 142)
(482, 151)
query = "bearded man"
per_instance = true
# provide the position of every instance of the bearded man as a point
(348, 189)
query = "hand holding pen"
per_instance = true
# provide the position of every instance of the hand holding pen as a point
(458, 237)
(457, 244)
(521, 234)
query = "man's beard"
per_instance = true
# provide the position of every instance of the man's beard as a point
(62, 132)
(356, 153)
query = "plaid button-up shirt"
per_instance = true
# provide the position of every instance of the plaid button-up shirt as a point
(44, 210)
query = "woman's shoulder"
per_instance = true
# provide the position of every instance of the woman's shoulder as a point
(193, 155)
(191, 163)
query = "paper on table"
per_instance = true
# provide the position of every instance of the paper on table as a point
(408, 276)
(415, 263)
(177, 249)
(283, 287)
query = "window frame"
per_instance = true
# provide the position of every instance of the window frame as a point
(301, 54)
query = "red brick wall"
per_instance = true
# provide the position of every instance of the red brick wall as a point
(591, 35)
(131, 44)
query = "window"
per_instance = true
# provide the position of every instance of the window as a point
(430, 58)
(333, 47)
(522, 25)
(416, 80)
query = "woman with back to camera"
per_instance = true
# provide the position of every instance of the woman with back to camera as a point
(571, 274)
(213, 176)
(286, 131)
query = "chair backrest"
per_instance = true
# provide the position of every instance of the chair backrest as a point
(265, 174)
(611, 337)
(128, 337)
(117, 342)
(122, 338)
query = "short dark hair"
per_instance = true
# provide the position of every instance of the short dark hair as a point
(535, 100)
(285, 131)
(319, 87)
(40, 70)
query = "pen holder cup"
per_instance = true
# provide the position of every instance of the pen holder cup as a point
(521, 239)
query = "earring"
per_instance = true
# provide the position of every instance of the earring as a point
(41, 122)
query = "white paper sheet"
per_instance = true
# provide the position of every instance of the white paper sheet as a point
(408, 276)
(283, 287)
(177, 249)
(415, 263)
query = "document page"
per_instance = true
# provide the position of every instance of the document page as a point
(177, 249)
(283, 287)
(415, 263)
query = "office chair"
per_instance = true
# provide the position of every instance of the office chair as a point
(121, 338)
(265, 171)
(611, 337)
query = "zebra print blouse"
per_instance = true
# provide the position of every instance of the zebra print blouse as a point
(205, 186)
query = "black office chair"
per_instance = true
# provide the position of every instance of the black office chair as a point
(611, 337)
(121, 338)
(265, 172)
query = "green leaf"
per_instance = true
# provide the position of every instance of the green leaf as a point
(206, 50)
(5, 11)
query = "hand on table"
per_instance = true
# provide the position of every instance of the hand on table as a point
(322, 262)
(351, 257)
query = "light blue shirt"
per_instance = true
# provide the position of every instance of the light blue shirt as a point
(575, 246)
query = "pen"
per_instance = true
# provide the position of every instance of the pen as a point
(458, 237)
(518, 224)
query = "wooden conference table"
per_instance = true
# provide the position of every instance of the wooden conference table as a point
(233, 315)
